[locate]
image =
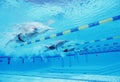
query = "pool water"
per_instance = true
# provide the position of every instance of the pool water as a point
(83, 45)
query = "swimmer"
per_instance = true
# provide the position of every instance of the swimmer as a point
(56, 45)
(29, 31)
(68, 50)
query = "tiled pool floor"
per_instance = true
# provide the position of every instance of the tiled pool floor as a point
(57, 77)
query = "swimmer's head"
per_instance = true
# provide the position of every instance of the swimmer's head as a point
(35, 29)
(66, 41)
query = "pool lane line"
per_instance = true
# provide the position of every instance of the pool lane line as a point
(115, 18)
(97, 40)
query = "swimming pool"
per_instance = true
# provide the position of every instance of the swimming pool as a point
(83, 45)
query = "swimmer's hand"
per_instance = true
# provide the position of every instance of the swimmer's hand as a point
(50, 22)
(51, 29)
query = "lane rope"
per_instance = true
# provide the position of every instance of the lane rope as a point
(115, 45)
(73, 30)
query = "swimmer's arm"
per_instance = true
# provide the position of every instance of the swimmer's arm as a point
(44, 31)
(9, 42)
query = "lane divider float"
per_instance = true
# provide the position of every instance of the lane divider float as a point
(73, 30)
